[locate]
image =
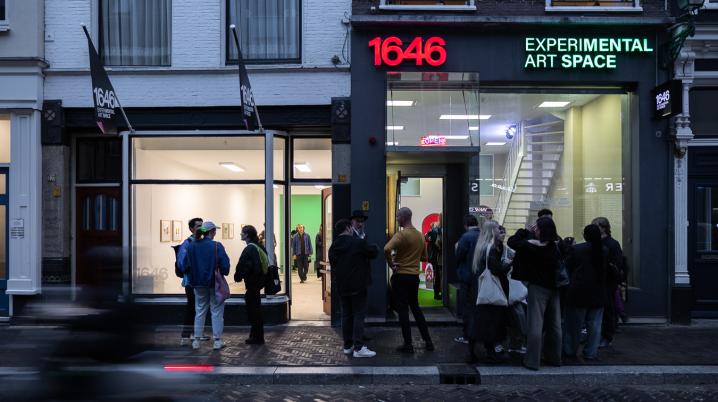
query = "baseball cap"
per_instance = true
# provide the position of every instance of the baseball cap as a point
(207, 226)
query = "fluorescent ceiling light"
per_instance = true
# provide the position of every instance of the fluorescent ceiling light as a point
(495, 143)
(397, 128)
(392, 143)
(553, 104)
(275, 186)
(399, 103)
(473, 128)
(302, 167)
(456, 137)
(319, 187)
(464, 117)
(231, 166)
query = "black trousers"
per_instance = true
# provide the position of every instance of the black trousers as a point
(254, 313)
(302, 266)
(437, 282)
(188, 323)
(353, 314)
(610, 317)
(406, 296)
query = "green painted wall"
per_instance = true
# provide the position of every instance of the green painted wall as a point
(307, 210)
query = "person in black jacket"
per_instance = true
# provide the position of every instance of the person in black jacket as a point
(586, 295)
(349, 259)
(540, 263)
(615, 261)
(252, 270)
(464, 255)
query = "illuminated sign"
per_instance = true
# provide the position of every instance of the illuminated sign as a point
(391, 51)
(668, 99)
(432, 141)
(580, 53)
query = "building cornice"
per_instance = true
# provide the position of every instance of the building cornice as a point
(195, 70)
(481, 20)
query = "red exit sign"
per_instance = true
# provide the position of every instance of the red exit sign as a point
(392, 51)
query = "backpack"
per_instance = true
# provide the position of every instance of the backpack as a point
(263, 259)
(272, 283)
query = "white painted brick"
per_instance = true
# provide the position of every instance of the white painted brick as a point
(197, 43)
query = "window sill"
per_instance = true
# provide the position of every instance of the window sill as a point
(397, 7)
(4, 27)
(575, 9)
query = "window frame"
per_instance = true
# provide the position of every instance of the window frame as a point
(95, 140)
(708, 5)
(437, 7)
(5, 22)
(101, 47)
(636, 8)
(229, 41)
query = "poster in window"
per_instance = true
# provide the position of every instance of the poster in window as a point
(165, 231)
(176, 230)
(225, 230)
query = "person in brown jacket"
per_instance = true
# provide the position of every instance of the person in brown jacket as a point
(403, 253)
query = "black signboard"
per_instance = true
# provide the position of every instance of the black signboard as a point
(249, 112)
(668, 99)
(107, 106)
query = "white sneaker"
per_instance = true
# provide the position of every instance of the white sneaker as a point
(364, 352)
(185, 341)
(348, 351)
(218, 344)
(499, 348)
(195, 344)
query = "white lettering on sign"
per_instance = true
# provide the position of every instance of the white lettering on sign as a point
(662, 99)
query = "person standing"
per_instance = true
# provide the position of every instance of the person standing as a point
(350, 257)
(464, 257)
(586, 295)
(188, 324)
(358, 219)
(202, 258)
(302, 252)
(252, 268)
(407, 246)
(319, 250)
(540, 261)
(433, 248)
(615, 261)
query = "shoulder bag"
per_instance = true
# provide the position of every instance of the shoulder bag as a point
(490, 291)
(221, 287)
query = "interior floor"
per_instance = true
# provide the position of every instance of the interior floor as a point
(307, 298)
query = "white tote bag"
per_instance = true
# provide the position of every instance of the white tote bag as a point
(517, 291)
(490, 291)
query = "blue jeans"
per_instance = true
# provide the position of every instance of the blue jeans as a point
(205, 300)
(575, 318)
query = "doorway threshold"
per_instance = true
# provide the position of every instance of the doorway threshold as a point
(434, 316)
(308, 323)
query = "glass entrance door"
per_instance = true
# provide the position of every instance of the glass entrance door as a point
(703, 245)
(4, 302)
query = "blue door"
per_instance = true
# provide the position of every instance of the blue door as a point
(4, 305)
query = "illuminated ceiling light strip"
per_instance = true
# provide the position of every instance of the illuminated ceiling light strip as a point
(302, 167)
(399, 103)
(473, 128)
(554, 104)
(464, 117)
(456, 137)
(395, 128)
(495, 143)
(392, 143)
(319, 187)
(231, 166)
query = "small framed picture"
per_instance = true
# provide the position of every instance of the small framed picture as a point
(225, 230)
(165, 231)
(231, 230)
(176, 230)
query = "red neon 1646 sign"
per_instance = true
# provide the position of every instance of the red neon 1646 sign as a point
(390, 51)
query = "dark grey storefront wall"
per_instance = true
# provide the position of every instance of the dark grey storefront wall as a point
(498, 56)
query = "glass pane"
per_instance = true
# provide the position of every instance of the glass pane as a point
(113, 214)
(100, 212)
(99, 160)
(280, 145)
(86, 213)
(3, 242)
(487, 181)
(312, 158)
(136, 32)
(433, 110)
(707, 219)
(329, 229)
(228, 206)
(4, 140)
(704, 120)
(267, 29)
(203, 158)
(2, 10)
(411, 187)
(592, 3)
(430, 2)
(3, 183)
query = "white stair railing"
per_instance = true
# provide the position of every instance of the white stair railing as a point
(511, 172)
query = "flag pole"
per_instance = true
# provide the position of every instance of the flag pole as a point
(268, 167)
(124, 115)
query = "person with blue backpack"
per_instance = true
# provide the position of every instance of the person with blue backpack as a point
(252, 268)
(464, 257)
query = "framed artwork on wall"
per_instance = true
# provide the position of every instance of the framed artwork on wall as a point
(231, 230)
(225, 230)
(165, 231)
(176, 230)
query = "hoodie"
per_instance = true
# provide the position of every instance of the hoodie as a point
(349, 258)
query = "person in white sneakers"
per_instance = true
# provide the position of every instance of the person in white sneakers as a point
(349, 258)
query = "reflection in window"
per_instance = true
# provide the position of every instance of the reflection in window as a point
(100, 212)
(707, 214)
(86, 213)
(4, 140)
(113, 211)
(268, 30)
(312, 158)
(99, 160)
(136, 32)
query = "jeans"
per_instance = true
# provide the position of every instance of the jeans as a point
(254, 313)
(575, 317)
(205, 300)
(544, 329)
(437, 282)
(188, 323)
(302, 266)
(353, 312)
(406, 293)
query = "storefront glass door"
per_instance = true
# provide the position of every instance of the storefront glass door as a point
(4, 305)
(703, 246)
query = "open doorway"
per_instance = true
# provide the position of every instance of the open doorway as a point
(306, 252)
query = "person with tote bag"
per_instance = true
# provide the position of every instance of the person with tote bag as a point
(490, 289)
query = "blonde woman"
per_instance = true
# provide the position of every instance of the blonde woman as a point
(488, 322)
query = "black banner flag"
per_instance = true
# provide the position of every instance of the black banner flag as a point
(107, 106)
(249, 110)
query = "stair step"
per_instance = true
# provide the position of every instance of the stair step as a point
(545, 142)
(552, 152)
(550, 123)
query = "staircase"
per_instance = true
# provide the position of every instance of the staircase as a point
(542, 149)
